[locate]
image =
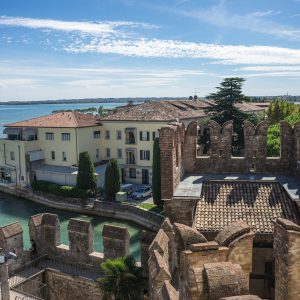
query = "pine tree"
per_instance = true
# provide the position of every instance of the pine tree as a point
(112, 179)
(228, 95)
(156, 184)
(86, 178)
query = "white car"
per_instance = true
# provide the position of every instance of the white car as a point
(142, 193)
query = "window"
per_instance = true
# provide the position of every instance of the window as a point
(64, 156)
(107, 152)
(144, 136)
(65, 136)
(119, 134)
(49, 136)
(107, 134)
(53, 155)
(119, 153)
(97, 134)
(12, 155)
(154, 135)
(132, 172)
(97, 153)
(144, 155)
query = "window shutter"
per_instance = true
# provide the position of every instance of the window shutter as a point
(153, 135)
(141, 135)
(141, 154)
(148, 136)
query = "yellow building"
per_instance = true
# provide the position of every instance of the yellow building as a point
(48, 147)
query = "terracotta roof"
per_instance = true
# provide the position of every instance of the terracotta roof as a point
(257, 203)
(168, 110)
(62, 119)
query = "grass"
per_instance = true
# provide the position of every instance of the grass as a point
(151, 207)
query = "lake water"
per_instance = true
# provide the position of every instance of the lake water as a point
(15, 113)
(14, 209)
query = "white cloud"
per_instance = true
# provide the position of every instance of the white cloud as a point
(226, 54)
(267, 13)
(102, 28)
(271, 68)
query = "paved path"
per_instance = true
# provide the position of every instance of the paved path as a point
(191, 186)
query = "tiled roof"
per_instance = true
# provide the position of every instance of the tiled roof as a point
(257, 203)
(168, 110)
(62, 120)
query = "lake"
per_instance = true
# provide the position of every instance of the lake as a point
(15, 113)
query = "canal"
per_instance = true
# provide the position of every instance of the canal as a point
(15, 209)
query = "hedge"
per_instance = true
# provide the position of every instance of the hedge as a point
(60, 190)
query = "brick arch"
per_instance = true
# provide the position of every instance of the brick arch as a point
(191, 129)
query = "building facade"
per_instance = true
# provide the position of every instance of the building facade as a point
(48, 147)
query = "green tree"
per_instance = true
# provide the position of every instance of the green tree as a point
(86, 178)
(102, 111)
(156, 183)
(123, 279)
(112, 179)
(228, 95)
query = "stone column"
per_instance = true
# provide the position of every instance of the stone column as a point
(4, 281)
(287, 260)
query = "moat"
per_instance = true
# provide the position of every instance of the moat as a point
(15, 209)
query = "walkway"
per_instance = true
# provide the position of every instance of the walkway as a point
(191, 186)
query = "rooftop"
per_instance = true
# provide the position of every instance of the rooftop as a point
(258, 203)
(60, 120)
(168, 110)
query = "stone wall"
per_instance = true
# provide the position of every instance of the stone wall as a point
(66, 287)
(193, 268)
(220, 159)
(171, 138)
(287, 260)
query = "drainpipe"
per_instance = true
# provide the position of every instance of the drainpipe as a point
(19, 164)
(76, 146)
(15, 169)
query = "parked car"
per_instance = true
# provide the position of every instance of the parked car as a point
(127, 187)
(142, 193)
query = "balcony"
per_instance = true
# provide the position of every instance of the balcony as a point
(20, 134)
(130, 156)
(130, 136)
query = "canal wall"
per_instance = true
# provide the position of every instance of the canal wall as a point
(149, 220)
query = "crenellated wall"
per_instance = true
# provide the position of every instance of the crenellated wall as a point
(175, 164)
(219, 269)
(44, 230)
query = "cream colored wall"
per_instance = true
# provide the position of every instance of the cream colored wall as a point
(115, 144)
(20, 175)
(59, 146)
(86, 142)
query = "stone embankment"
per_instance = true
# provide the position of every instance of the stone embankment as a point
(147, 219)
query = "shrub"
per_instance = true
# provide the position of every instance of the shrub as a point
(60, 190)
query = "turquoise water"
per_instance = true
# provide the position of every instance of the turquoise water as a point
(15, 113)
(14, 209)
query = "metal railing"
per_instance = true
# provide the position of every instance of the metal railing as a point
(42, 263)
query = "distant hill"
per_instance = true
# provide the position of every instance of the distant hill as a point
(92, 100)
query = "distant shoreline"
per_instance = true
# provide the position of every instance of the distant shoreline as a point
(90, 100)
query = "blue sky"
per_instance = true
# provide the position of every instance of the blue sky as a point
(132, 48)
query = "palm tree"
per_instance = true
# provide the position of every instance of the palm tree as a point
(123, 280)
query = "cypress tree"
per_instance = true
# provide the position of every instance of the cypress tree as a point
(86, 178)
(156, 184)
(112, 179)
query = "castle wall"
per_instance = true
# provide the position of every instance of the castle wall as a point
(220, 159)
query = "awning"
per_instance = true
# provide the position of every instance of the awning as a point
(30, 131)
(6, 168)
(130, 150)
(12, 131)
(130, 129)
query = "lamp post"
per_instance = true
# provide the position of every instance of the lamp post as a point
(4, 257)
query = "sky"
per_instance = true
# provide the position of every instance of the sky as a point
(58, 49)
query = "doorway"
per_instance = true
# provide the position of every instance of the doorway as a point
(145, 176)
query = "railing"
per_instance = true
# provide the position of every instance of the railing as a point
(42, 263)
